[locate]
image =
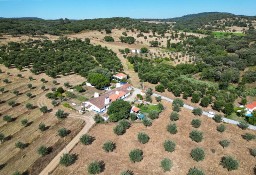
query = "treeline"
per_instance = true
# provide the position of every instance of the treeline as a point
(37, 26)
(62, 56)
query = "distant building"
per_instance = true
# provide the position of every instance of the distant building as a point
(250, 108)
(101, 102)
(135, 110)
(136, 51)
(120, 76)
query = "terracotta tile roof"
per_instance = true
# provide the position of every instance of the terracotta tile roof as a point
(135, 109)
(251, 106)
(113, 97)
(120, 75)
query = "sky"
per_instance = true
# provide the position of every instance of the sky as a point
(87, 9)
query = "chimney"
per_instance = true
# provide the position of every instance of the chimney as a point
(96, 95)
(117, 92)
(118, 85)
(106, 100)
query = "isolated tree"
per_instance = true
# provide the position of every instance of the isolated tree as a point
(249, 136)
(253, 152)
(229, 163)
(195, 171)
(109, 146)
(166, 164)
(30, 78)
(153, 115)
(172, 128)
(24, 122)
(67, 159)
(63, 132)
(86, 139)
(197, 111)
(197, 154)
(136, 155)
(60, 114)
(169, 146)
(12, 103)
(2, 137)
(42, 127)
(8, 118)
(95, 167)
(178, 101)
(243, 125)
(196, 123)
(21, 145)
(29, 106)
(119, 130)
(16, 92)
(158, 98)
(29, 95)
(221, 128)
(217, 118)
(30, 86)
(224, 143)
(196, 136)
(43, 150)
(44, 109)
(147, 122)
(174, 116)
(143, 138)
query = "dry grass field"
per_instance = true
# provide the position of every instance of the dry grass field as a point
(28, 160)
(153, 151)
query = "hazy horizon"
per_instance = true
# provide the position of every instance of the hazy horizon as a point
(90, 9)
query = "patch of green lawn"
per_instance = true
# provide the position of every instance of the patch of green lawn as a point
(148, 108)
(226, 34)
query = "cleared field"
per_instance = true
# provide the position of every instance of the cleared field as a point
(28, 160)
(153, 151)
(226, 34)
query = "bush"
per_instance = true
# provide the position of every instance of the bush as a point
(160, 88)
(7, 118)
(29, 106)
(197, 111)
(229, 163)
(153, 115)
(86, 139)
(60, 114)
(166, 164)
(158, 98)
(178, 102)
(125, 123)
(21, 145)
(136, 155)
(176, 108)
(172, 128)
(169, 146)
(174, 116)
(24, 122)
(67, 159)
(197, 154)
(109, 39)
(221, 128)
(224, 143)
(44, 109)
(2, 138)
(95, 167)
(253, 152)
(63, 132)
(196, 136)
(143, 138)
(248, 136)
(43, 150)
(98, 119)
(109, 146)
(127, 172)
(12, 103)
(42, 127)
(196, 123)
(147, 122)
(119, 130)
(195, 171)
(217, 118)
(243, 125)
(133, 117)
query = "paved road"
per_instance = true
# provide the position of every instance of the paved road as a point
(226, 120)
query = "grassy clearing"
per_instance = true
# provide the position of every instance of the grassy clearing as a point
(148, 108)
(226, 34)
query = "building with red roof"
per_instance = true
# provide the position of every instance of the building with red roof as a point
(120, 76)
(251, 107)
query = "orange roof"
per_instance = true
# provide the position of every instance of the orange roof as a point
(135, 109)
(251, 106)
(113, 97)
(120, 75)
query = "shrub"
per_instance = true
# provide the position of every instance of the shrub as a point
(243, 125)
(176, 108)
(43, 150)
(67, 159)
(7, 118)
(178, 102)
(229, 163)
(119, 130)
(197, 154)
(160, 88)
(166, 164)
(197, 111)
(169, 146)
(172, 128)
(30, 86)
(196, 123)
(24, 122)
(86, 139)
(196, 136)
(153, 115)
(133, 117)
(158, 98)
(42, 127)
(127, 172)
(143, 138)
(60, 114)
(63, 132)
(125, 123)
(109, 146)
(174, 116)
(217, 118)
(21, 145)
(248, 136)
(29, 95)
(2, 137)
(29, 106)
(221, 128)
(98, 119)
(12, 103)
(16, 92)
(95, 167)
(253, 152)
(55, 103)
(147, 122)
(17, 173)
(136, 155)
(224, 143)
(195, 171)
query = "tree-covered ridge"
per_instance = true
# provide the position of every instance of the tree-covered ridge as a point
(62, 56)
(16, 26)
